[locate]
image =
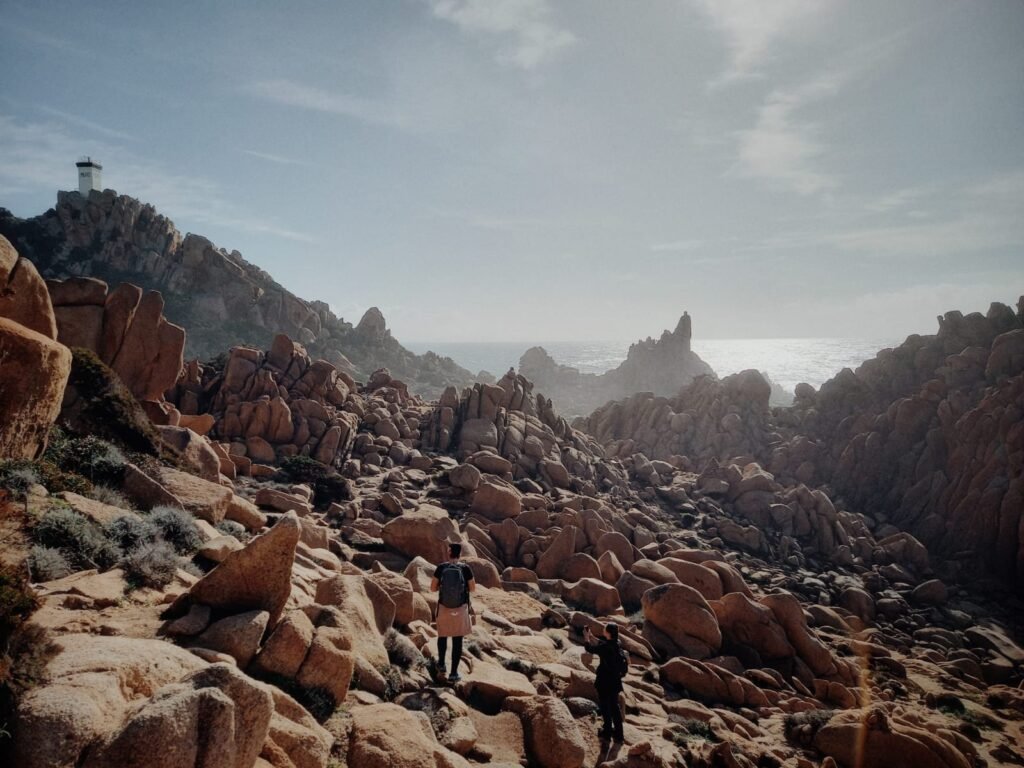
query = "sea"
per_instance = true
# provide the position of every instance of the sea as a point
(787, 362)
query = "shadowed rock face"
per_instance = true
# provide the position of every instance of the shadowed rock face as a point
(217, 296)
(661, 367)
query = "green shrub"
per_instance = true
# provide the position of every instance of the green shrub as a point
(692, 730)
(328, 486)
(815, 718)
(152, 565)
(392, 681)
(319, 702)
(128, 532)
(79, 539)
(47, 564)
(107, 495)
(45, 472)
(17, 601)
(515, 664)
(177, 528)
(16, 477)
(401, 652)
(237, 530)
(106, 407)
(94, 459)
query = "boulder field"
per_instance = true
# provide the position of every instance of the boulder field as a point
(927, 438)
(767, 622)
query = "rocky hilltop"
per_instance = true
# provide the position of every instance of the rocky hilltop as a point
(176, 593)
(219, 297)
(927, 436)
(660, 366)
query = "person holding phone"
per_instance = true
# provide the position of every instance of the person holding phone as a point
(611, 669)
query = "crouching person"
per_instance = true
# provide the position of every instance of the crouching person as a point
(453, 581)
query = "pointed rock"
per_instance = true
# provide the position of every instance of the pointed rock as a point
(255, 578)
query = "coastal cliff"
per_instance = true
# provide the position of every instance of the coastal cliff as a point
(661, 366)
(220, 298)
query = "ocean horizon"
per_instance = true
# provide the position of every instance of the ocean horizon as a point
(786, 361)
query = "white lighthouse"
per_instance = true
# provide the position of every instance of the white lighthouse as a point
(89, 176)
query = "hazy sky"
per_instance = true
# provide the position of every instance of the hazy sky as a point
(547, 169)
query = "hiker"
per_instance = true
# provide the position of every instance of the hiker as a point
(453, 581)
(614, 663)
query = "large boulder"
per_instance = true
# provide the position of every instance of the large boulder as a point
(678, 620)
(496, 499)
(286, 648)
(553, 738)
(206, 500)
(150, 356)
(216, 716)
(389, 736)
(255, 578)
(594, 596)
(363, 611)
(712, 684)
(238, 636)
(94, 683)
(747, 623)
(34, 371)
(855, 739)
(24, 297)
(423, 532)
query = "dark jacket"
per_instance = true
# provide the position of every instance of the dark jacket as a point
(607, 651)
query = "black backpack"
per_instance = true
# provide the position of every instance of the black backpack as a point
(453, 590)
(622, 663)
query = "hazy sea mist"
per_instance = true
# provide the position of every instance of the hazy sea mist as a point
(787, 361)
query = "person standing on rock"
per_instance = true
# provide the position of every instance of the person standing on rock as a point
(613, 665)
(453, 581)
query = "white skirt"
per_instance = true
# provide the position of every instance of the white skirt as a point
(454, 622)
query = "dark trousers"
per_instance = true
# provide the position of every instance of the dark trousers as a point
(442, 651)
(608, 700)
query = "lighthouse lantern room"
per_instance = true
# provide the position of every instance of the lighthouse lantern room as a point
(89, 176)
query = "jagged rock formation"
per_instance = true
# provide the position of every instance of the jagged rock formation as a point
(662, 367)
(219, 297)
(125, 328)
(265, 407)
(927, 436)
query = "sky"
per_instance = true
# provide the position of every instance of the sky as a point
(530, 170)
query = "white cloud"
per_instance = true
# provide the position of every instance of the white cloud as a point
(985, 215)
(912, 309)
(752, 27)
(294, 94)
(82, 122)
(529, 22)
(272, 158)
(677, 246)
(898, 199)
(783, 147)
(42, 155)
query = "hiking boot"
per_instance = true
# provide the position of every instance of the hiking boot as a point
(454, 677)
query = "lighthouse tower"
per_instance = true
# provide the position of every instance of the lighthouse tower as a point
(89, 176)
